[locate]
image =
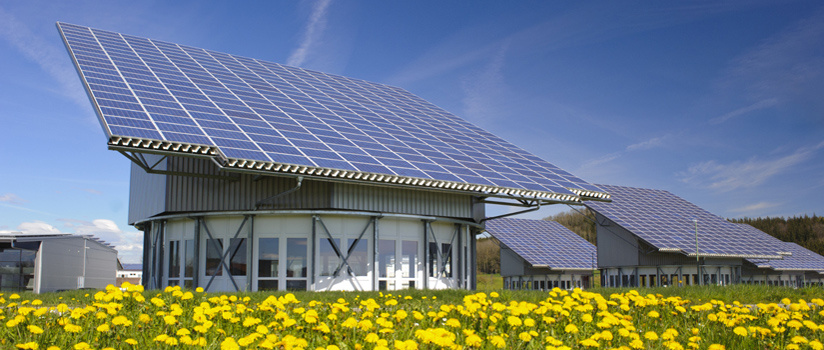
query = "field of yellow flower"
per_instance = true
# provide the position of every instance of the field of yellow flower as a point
(181, 319)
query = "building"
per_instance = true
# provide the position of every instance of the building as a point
(251, 175)
(541, 254)
(653, 238)
(132, 273)
(800, 267)
(53, 262)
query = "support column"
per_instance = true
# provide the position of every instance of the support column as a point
(375, 254)
(196, 255)
(147, 261)
(250, 248)
(425, 255)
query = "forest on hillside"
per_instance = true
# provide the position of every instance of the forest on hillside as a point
(806, 231)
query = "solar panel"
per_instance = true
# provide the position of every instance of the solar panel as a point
(665, 221)
(544, 243)
(796, 257)
(262, 116)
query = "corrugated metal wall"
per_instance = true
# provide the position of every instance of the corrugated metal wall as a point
(147, 193)
(179, 193)
(393, 200)
(616, 246)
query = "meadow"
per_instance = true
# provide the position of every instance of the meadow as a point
(734, 317)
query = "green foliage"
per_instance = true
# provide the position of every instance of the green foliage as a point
(488, 255)
(806, 231)
(582, 222)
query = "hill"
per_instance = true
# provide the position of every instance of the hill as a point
(806, 231)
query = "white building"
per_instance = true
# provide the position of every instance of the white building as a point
(47, 263)
(251, 175)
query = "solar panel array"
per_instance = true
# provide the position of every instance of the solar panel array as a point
(796, 257)
(665, 221)
(266, 116)
(544, 243)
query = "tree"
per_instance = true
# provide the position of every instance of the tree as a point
(488, 256)
(581, 222)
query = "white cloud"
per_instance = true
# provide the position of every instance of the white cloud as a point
(12, 198)
(749, 173)
(648, 144)
(129, 244)
(744, 110)
(311, 33)
(755, 208)
(90, 190)
(51, 58)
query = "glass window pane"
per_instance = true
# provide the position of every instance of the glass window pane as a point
(295, 284)
(409, 262)
(174, 259)
(237, 247)
(267, 285)
(188, 284)
(189, 269)
(357, 260)
(268, 258)
(214, 251)
(174, 282)
(9, 254)
(386, 258)
(329, 259)
(296, 257)
(446, 250)
(433, 260)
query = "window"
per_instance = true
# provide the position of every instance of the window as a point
(189, 256)
(268, 259)
(357, 260)
(214, 251)
(386, 259)
(237, 256)
(329, 258)
(174, 259)
(409, 259)
(296, 257)
(446, 250)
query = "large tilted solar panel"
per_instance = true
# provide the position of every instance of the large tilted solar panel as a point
(544, 243)
(263, 116)
(796, 257)
(665, 221)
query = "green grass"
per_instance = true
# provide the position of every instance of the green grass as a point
(490, 282)
(748, 294)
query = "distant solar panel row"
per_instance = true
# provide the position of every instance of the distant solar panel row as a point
(544, 243)
(796, 257)
(264, 115)
(665, 221)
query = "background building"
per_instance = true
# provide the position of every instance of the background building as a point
(651, 238)
(541, 254)
(48, 263)
(132, 273)
(251, 175)
(799, 267)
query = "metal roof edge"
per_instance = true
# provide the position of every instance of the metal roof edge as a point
(122, 143)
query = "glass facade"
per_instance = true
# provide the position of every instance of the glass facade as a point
(16, 269)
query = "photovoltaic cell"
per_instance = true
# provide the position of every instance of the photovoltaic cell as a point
(665, 221)
(255, 111)
(796, 257)
(544, 243)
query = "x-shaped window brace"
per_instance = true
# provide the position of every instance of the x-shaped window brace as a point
(442, 256)
(336, 248)
(222, 263)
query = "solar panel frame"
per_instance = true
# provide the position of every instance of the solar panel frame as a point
(162, 97)
(665, 221)
(544, 243)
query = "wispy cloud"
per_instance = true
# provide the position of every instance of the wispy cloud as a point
(483, 89)
(749, 173)
(755, 208)
(90, 190)
(787, 66)
(311, 33)
(12, 198)
(49, 57)
(766, 103)
(652, 143)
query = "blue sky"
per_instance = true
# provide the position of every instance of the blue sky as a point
(719, 103)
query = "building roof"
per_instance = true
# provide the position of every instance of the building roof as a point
(20, 237)
(667, 222)
(796, 257)
(256, 116)
(544, 243)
